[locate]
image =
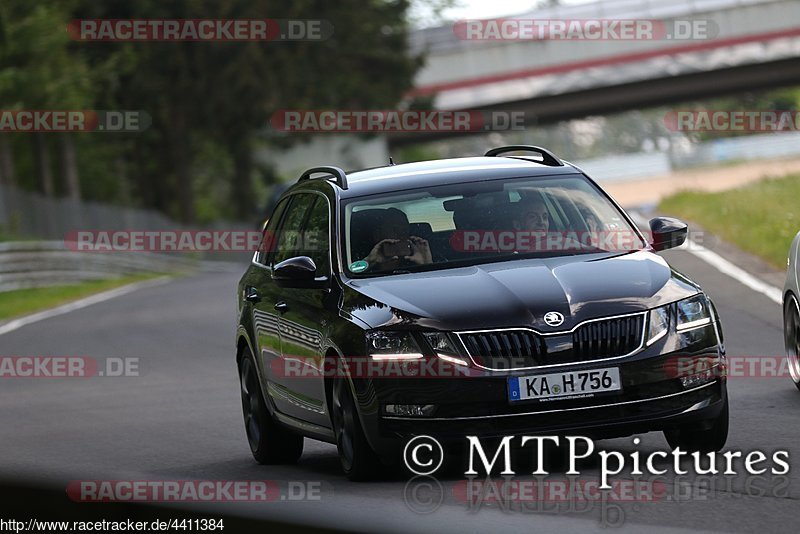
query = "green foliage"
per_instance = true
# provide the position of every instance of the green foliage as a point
(24, 301)
(415, 153)
(209, 101)
(776, 99)
(761, 218)
(38, 70)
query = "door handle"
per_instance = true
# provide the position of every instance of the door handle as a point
(281, 307)
(251, 294)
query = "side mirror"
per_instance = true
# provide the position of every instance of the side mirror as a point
(668, 232)
(297, 269)
(299, 272)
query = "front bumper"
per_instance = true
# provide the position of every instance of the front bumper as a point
(653, 397)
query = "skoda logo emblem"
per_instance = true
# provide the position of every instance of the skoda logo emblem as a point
(553, 318)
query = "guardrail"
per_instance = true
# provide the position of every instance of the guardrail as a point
(27, 264)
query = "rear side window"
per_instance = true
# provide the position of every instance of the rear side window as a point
(268, 236)
(288, 237)
(313, 241)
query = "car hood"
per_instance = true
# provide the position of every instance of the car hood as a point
(518, 293)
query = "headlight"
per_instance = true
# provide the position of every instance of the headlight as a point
(444, 348)
(383, 345)
(658, 324)
(693, 313)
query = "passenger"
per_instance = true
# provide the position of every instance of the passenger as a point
(594, 226)
(592, 220)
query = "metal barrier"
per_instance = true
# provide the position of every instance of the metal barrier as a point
(25, 264)
(29, 264)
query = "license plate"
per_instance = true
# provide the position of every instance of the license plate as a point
(571, 384)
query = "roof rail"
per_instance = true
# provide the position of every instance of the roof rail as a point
(548, 158)
(335, 172)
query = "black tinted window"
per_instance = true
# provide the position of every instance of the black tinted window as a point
(314, 240)
(268, 240)
(288, 238)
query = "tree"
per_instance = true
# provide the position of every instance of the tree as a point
(39, 72)
(225, 92)
(203, 97)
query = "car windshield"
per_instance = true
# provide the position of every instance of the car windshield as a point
(470, 223)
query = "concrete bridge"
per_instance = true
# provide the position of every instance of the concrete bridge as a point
(745, 45)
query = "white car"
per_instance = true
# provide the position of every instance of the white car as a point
(791, 311)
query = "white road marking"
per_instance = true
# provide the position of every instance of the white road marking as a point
(14, 324)
(722, 265)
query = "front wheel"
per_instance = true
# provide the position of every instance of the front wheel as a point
(359, 461)
(269, 442)
(791, 337)
(692, 438)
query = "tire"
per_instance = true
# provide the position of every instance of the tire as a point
(791, 337)
(359, 462)
(269, 442)
(690, 438)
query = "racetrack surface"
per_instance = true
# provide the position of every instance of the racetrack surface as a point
(181, 419)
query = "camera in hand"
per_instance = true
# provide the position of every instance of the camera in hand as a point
(400, 249)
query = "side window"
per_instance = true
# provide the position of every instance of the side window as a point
(314, 243)
(288, 235)
(268, 238)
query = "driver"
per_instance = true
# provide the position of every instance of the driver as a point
(532, 215)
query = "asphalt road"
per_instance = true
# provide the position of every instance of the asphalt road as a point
(181, 419)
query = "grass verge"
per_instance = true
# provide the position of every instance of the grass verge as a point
(761, 218)
(25, 301)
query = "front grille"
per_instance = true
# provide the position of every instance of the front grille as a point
(594, 340)
(505, 349)
(608, 338)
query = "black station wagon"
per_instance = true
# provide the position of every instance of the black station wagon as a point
(490, 296)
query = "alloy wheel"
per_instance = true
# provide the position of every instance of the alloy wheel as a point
(250, 405)
(344, 421)
(792, 338)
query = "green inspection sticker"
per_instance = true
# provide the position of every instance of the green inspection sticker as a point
(359, 266)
